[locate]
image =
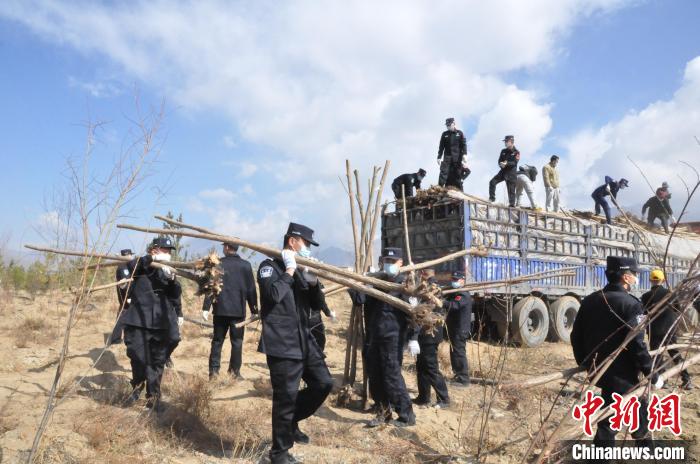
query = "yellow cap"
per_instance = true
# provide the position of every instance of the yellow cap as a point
(657, 274)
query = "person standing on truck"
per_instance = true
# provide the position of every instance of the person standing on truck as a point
(526, 181)
(662, 329)
(229, 309)
(452, 156)
(408, 181)
(659, 207)
(602, 324)
(550, 177)
(286, 293)
(508, 162)
(387, 329)
(122, 296)
(458, 326)
(610, 187)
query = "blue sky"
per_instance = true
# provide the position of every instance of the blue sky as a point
(264, 104)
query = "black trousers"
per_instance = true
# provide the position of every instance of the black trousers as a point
(510, 186)
(291, 405)
(662, 217)
(450, 173)
(318, 331)
(605, 436)
(676, 357)
(386, 384)
(601, 202)
(118, 329)
(428, 374)
(224, 325)
(147, 350)
(458, 355)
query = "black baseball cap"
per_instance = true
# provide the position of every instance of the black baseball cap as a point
(299, 230)
(162, 242)
(554, 157)
(126, 252)
(621, 263)
(449, 121)
(509, 137)
(422, 172)
(392, 252)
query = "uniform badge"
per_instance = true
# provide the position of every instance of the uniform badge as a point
(458, 297)
(265, 272)
(641, 318)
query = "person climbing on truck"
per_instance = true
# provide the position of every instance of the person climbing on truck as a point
(610, 187)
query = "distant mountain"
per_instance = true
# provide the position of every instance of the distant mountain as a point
(336, 256)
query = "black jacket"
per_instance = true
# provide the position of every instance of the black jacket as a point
(285, 303)
(316, 309)
(122, 273)
(511, 157)
(238, 288)
(657, 207)
(155, 299)
(659, 327)
(600, 328)
(453, 145)
(459, 314)
(385, 321)
(409, 181)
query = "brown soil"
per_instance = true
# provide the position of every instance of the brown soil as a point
(229, 420)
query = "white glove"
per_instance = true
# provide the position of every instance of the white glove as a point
(333, 317)
(607, 187)
(659, 383)
(502, 164)
(205, 315)
(180, 321)
(290, 261)
(169, 272)
(413, 348)
(413, 301)
(128, 300)
(310, 277)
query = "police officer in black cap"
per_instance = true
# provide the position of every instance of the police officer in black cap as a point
(238, 288)
(604, 320)
(408, 181)
(121, 274)
(154, 310)
(453, 145)
(286, 294)
(387, 332)
(508, 162)
(458, 325)
(428, 373)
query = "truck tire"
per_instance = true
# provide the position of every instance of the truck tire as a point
(561, 318)
(530, 322)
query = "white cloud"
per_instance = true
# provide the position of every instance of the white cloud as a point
(219, 194)
(229, 141)
(657, 138)
(317, 84)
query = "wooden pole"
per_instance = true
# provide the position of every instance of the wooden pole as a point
(106, 286)
(525, 278)
(120, 259)
(353, 214)
(405, 225)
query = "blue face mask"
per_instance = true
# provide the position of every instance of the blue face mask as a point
(454, 284)
(305, 252)
(391, 268)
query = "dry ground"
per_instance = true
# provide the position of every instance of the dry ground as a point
(230, 420)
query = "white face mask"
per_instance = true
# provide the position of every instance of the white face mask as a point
(633, 285)
(304, 251)
(162, 257)
(391, 268)
(455, 284)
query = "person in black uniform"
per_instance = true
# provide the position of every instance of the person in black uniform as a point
(292, 353)
(458, 325)
(121, 274)
(662, 330)
(409, 181)
(155, 295)
(387, 329)
(453, 145)
(229, 309)
(508, 162)
(610, 187)
(427, 367)
(604, 320)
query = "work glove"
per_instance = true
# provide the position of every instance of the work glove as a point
(205, 315)
(607, 187)
(333, 317)
(673, 219)
(128, 300)
(659, 382)
(502, 164)
(413, 301)
(169, 272)
(290, 261)
(413, 348)
(180, 321)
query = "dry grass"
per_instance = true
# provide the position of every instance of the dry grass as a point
(191, 394)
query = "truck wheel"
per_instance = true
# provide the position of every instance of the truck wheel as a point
(561, 318)
(530, 322)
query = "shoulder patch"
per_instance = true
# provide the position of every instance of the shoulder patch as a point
(641, 318)
(458, 297)
(265, 272)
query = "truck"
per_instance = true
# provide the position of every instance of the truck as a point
(519, 241)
